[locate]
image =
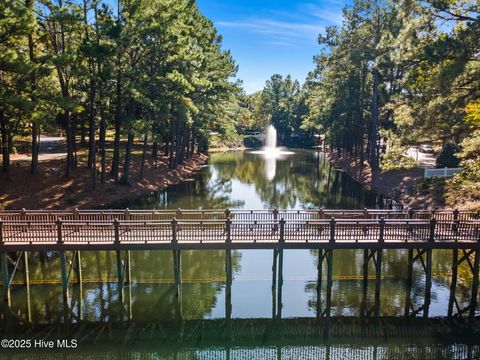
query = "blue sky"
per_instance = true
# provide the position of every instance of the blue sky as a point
(268, 37)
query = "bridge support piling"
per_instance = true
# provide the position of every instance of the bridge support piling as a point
(228, 289)
(363, 308)
(274, 283)
(280, 268)
(280, 284)
(428, 284)
(120, 274)
(329, 282)
(63, 268)
(78, 266)
(26, 277)
(319, 283)
(376, 257)
(424, 257)
(177, 269)
(475, 280)
(453, 283)
(454, 308)
(378, 282)
(5, 278)
(408, 300)
(324, 256)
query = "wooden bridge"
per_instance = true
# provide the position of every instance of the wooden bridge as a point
(193, 229)
(70, 232)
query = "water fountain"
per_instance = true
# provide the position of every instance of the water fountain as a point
(270, 148)
(270, 152)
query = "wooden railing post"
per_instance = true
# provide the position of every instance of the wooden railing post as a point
(23, 214)
(116, 225)
(59, 231)
(456, 221)
(275, 218)
(275, 214)
(410, 213)
(127, 214)
(76, 214)
(228, 213)
(282, 230)
(433, 222)
(228, 228)
(174, 230)
(1, 232)
(365, 217)
(332, 230)
(381, 223)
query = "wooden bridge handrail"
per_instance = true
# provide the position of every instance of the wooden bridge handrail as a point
(363, 221)
(233, 221)
(106, 211)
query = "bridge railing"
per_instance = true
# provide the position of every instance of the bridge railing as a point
(271, 214)
(237, 231)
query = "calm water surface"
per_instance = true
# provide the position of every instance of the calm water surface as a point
(243, 180)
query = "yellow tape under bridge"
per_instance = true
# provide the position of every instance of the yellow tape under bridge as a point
(205, 280)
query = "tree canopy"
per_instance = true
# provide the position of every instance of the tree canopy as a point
(151, 70)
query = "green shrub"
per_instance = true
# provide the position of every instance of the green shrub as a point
(447, 157)
(395, 159)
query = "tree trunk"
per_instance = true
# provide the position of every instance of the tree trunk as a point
(144, 154)
(33, 84)
(70, 143)
(192, 144)
(103, 130)
(178, 143)
(126, 167)
(91, 128)
(118, 124)
(171, 159)
(103, 123)
(83, 133)
(35, 148)
(91, 100)
(5, 141)
(374, 128)
(155, 150)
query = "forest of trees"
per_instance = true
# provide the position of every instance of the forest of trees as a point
(397, 73)
(149, 70)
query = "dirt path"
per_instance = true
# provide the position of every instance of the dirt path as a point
(51, 148)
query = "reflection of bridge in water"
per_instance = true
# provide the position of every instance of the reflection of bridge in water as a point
(301, 338)
(70, 232)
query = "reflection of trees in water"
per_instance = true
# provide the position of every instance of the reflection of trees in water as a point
(347, 294)
(203, 273)
(203, 192)
(299, 179)
(302, 179)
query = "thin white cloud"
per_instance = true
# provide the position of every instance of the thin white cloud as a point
(276, 28)
(334, 17)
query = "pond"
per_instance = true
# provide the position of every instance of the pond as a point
(236, 180)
